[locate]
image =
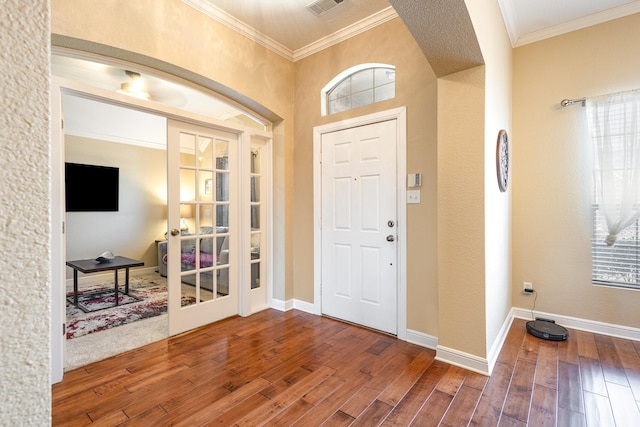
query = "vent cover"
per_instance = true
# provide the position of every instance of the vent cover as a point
(321, 6)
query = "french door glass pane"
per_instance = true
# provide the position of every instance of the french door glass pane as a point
(255, 189)
(205, 150)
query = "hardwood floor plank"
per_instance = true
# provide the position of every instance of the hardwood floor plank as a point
(489, 407)
(623, 405)
(547, 365)
(406, 410)
(587, 345)
(462, 407)
(568, 349)
(295, 368)
(570, 396)
(592, 377)
(374, 414)
(612, 366)
(511, 347)
(543, 406)
(518, 400)
(395, 391)
(273, 407)
(433, 410)
(567, 418)
(598, 410)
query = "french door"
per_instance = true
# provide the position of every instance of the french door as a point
(203, 227)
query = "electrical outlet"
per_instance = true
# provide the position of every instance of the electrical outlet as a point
(527, 287)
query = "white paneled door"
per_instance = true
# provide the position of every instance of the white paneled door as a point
(359, 225)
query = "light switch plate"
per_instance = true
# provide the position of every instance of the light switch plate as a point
(413, 196)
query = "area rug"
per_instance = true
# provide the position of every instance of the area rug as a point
(153, 302)
(101, 299)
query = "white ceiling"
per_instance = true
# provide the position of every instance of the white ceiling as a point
(289, 28)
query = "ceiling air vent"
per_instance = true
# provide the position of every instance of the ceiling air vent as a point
(321, 6)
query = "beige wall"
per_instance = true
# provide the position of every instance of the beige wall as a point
(552, 168)
(141, 218)
(390, 43)
(163, 31)
(497, 52)
(25, 390)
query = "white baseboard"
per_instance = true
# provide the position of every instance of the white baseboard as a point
(281, 305)
(107, 276)
(422, 339)
(307, 307)
(593, 326)
(462, 359)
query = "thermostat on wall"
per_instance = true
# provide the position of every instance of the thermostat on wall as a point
(414, 180)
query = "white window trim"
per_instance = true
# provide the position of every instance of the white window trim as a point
(343, 75)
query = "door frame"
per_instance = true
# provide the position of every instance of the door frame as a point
(61, 86)
(400, 115)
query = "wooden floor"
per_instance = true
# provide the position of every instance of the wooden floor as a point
(294, 368)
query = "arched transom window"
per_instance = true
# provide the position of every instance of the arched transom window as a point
(361, 85)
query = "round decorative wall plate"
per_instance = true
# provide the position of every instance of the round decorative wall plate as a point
(502, 160)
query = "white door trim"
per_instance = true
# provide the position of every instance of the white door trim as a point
(399, 114)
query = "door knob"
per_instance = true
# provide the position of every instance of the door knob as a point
(390, 223)
(391, 238)
(175, 232)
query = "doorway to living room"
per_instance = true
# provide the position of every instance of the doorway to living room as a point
(103, 129)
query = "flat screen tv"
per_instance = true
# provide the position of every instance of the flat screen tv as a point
(91, 188)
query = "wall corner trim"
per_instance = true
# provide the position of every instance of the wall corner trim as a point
(422, 339)
(463, 360)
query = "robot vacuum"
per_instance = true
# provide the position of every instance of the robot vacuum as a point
(546, 329)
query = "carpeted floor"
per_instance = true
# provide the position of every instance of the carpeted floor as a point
(99, 339)
(149, 300)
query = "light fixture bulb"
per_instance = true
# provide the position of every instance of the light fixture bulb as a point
(135, 88)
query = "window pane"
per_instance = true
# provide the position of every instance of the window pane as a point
(362, 98)
(385, 92)
(384, 76)
(340, 104)
(206, 186)
(222, 216)
(255, 159)
(205, 148)
(255, 188)
(222, 155)
(187, 185)
(362, 80)
(341, 90)
(255, 217)
(222, 187)
(187, 149)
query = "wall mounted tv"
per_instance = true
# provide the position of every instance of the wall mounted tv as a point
(91, 188)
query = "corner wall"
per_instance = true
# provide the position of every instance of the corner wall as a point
(552, 168)
(24, 214)
(389, 43)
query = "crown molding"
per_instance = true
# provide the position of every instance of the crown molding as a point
(577, 24)
(251, 33)
(510, 20)
(352, 30)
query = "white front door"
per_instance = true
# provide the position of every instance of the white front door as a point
(359, 225)
(203, 227)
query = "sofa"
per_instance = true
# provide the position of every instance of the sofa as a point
(208, 257)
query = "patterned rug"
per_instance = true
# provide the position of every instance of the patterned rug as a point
(152, 295)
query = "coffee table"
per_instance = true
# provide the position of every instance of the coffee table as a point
(92, 266)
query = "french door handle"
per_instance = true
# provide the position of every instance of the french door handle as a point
(175, 232)
(391, 238)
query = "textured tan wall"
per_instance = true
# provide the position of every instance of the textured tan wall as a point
(24, 214)
(141, 218)
(173, 32)
(390, 43)
(552, 168)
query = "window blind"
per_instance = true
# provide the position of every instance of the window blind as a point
(617, 265)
